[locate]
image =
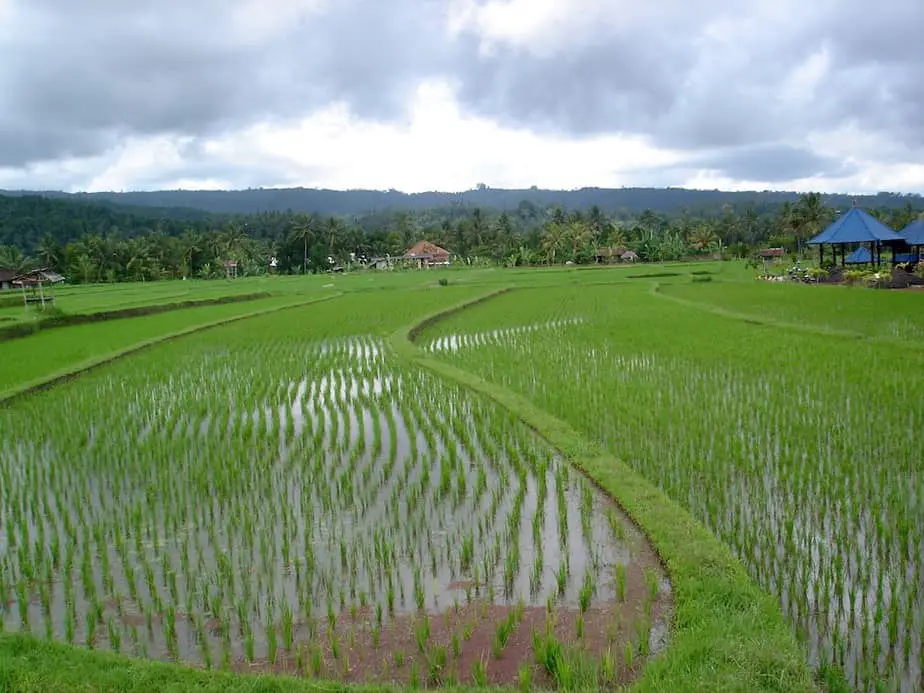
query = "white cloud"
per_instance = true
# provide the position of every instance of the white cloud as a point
(723, 95)
(437, 149)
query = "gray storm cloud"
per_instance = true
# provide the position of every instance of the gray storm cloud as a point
(76, 77)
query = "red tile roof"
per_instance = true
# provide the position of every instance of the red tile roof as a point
(426, 249)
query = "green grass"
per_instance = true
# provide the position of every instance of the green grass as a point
(28, 665)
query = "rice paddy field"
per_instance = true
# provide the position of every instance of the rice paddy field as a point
(91, 299)
(570, 480)
(266, 497)
(799, 450)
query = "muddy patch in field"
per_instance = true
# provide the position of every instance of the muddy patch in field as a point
(480, 642)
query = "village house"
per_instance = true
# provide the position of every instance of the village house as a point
(425, 254)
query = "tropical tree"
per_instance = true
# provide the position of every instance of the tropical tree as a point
(48, 251)
(14, 259)
(304, 230)
(580, 237)
(554, 241)
(810, 216)
(598, 224)
(702, 237)
(617, 237)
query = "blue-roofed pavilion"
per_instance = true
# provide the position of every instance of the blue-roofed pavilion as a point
(855, 229)
(913, 235)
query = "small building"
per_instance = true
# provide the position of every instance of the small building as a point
(629, 256)
(605, 256)
(381, 263)
(230, 269)
(33, 286)
(425, 254)
(6, 279)
(771, 256)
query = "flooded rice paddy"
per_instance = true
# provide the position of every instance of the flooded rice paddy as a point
(810, 472)
(319, 510)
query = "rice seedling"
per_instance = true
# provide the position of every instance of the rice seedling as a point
(799, 463)
(525, 677)
(316, 480)
(480, 672)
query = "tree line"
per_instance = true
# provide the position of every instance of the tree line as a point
(91, 242)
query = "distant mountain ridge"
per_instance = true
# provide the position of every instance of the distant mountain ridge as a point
(360, 202)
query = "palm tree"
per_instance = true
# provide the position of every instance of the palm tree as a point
(86, 267)
(230, 241)
(48, 252)
(617, 238)
(579, 234)
(703, 237)
(811, 216)
(13, 258)
(553, 240)
(304, 230)
(333, 232)
(140, 258)
(598, 224)
(190, 246)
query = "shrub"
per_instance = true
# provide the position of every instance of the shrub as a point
(817, 273)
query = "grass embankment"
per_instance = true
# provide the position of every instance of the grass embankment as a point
(48, 357)
(727, 634)
(56, 319)
(28, 665)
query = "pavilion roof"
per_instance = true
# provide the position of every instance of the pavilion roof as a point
(913, 233)
(860, 256)
(856, 226)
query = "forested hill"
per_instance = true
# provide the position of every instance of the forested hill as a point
(622, 201)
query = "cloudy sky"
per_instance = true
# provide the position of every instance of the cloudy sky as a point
(445, 94)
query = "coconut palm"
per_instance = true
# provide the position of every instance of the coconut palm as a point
(48, 252)
(811, 215)
(304, 229)
(553, 241)
(702, 237)
(13, 258)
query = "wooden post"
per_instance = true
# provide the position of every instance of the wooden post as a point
(41, 294)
